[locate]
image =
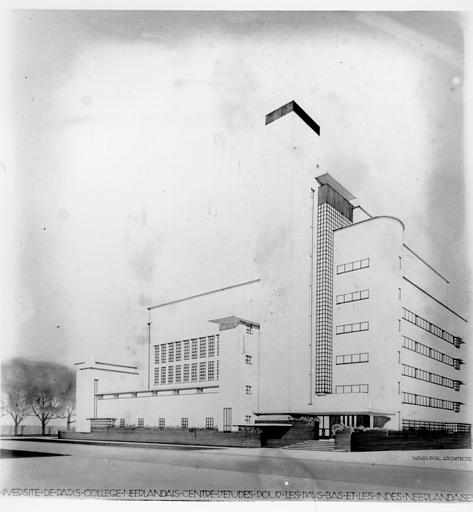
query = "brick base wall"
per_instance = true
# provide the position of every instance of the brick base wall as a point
(171, 436)
(403, 440)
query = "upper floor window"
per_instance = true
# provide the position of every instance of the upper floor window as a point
(248, 390)
(141, 422)
(353, 265)
(362, 357)
(352, 388)
(186, 349)
(353, 296)
(156, 354)
(349, 328)
(248, 359)
(178, 350)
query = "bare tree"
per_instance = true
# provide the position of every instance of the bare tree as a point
(50, 391)
(15, 391)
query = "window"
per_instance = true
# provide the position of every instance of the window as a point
(353, 265)
(163, 352)
(171, 352)
(194, 372)
(352, 388)
(156, 354)
(186, 373)
(247, 359)
(211, 368)
(156, 375)
(170, 374)
(202, 371)
(349, 328)
(178, 350)
(247, 418)
(218, 344)
(162, 422)
(399, 293)
(203, 347)
(211, 346)
(141, 422)
(194, 348)
(362, 357)
(209, 423)
(249, 329)
(186, 349)
(432, 328)
(184, 422)
(248, 390)
(218, 369)
(429, 401)
(122, 422)
(178, 374)
(417, 373)
(353, 296)
(163, 375)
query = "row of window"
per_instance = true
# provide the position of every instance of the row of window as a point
(429, 401)
(189, 372)
(430, 327)
(209, 422)
(417, 373)
(353, 265)
(349, 328)
(352, 297)
(424, 350)
(352, 388)
(195, 348)
(362, 357)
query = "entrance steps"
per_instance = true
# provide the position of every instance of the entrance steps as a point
(319, 445)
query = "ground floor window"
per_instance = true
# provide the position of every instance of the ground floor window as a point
(122, 422)
(184, 422)
(141, 422)
(209, 423)
(162, 422)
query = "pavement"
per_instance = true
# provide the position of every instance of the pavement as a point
(101, 470)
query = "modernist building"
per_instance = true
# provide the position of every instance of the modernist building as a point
(345, 324)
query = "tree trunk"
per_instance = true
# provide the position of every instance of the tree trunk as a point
(16, 426)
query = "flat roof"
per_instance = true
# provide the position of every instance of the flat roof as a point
(326, 179)
(234, 319)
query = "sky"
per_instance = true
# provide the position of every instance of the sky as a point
(132, 133)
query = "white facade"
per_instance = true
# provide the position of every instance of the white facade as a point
(344, 322)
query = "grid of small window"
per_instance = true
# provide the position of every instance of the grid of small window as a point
(432, 328)
(141, 422)
(218, 344)
(184, 422)
(434, 378)
(202, 371)
(211, 345)
(209, 423)
(203, 347)
(248, 390)
(328, 219)
(156, 375)
(122, 422)
(353, 296)
(178, 374)
(218, 369)
(430, 401)
(178, 350)
(186, 350)
(170, 374)
(353, 265)
(170, 352)
(186, 373)
(211, 370)
(163, 353)
(163, 375)
(156, 354)
(349, 328)
(352, 388)
(424, 350)
(194, 348)
(362, 357)
(194, 372)
(247, 418)
(162, 422)
(248, 359)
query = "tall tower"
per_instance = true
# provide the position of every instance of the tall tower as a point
(334, 211)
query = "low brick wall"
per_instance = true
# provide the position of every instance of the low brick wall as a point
(171, 436)
(381, 440)
(275, 437)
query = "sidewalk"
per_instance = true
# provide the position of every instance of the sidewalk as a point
(432, 459)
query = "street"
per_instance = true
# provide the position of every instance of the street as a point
(58, 469)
